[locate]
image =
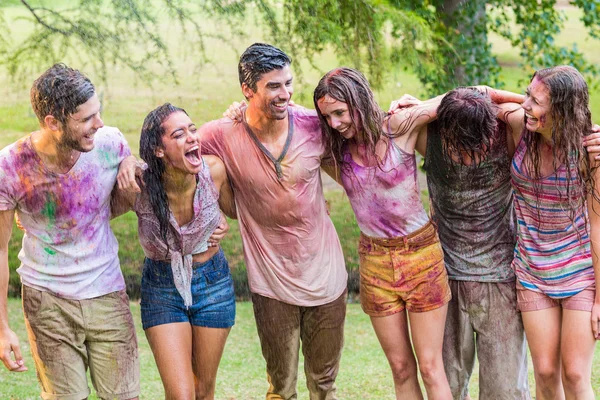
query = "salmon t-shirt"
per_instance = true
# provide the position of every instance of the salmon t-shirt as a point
(291, 248)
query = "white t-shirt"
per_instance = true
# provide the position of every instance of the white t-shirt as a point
(68, 246)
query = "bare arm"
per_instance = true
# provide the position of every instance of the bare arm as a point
(121, 201)
(513, 115)
(594, 216)
(421, 145)
(501, 96)
(219, 176)
(406, 123)
(9, 343)
(129, 177)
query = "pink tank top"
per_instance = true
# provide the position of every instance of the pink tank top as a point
(386, 200)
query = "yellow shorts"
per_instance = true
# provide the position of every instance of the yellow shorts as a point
(403, 272)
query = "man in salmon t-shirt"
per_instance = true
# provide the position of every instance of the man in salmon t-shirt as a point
(293, 256)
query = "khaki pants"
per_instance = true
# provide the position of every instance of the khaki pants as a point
(67, 336)
(483, 319)
(282, 326)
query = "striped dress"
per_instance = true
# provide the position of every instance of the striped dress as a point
(552, 255)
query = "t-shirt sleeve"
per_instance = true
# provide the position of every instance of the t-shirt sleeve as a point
(209, 136)
(7, 197)
(124, 150)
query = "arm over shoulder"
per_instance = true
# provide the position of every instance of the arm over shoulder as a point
(513, 115)
(405, 125)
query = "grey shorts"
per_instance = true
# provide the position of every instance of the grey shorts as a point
(483, 319)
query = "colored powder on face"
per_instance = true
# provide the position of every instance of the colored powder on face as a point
(543, 120)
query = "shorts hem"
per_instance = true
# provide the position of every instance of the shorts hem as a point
(206, 324)
(386, 313)
(214, 324)
(431, 307)
(150, 324)
(62, 396)
(120, 396)
(527, 306)
(578, 306)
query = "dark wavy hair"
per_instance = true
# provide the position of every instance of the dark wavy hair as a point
(151, 139)
(59, 91)
(259, 59)
(571, 121)
(467, 123)
(351, 87)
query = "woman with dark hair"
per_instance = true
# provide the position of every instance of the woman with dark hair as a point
(556, 203)
(188, 303)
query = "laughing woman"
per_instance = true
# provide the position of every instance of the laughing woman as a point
(556, 202)
(403, 277)
(188, 303)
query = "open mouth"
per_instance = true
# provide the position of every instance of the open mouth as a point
(89, 136)
(530, 118)
(342, 130)
(193, 155)
(281, 105)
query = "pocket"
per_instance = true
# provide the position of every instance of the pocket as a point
(219, 270)
(32, 301)
(157, 274)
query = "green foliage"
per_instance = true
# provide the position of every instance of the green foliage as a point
(444, 41)
(107, 34)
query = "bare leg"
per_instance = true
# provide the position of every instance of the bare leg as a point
(392, 332)
(427, 329)
(577, 353)
(542, 329)
(208, 345)
(172, 348)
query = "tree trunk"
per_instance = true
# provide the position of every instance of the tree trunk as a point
(469, 60)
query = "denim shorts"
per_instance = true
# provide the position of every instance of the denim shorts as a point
(213, 299)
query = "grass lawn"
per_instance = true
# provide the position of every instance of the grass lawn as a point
(364, 371)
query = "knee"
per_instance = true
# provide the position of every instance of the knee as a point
(574, 379)
(547, 375)
(183, 393)
(431, 369)
(403, 370)
(205, 390)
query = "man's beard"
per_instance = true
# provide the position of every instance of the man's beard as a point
(68, 141)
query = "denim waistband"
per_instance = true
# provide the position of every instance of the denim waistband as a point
(219, 255)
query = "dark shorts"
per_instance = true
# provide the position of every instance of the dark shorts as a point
(212, 294)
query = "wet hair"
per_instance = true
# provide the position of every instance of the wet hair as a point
(59, 92)
(150, 140)
(467, 123)
(259, 59)
(571, 121)
(351, 87)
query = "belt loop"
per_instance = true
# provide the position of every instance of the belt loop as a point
(405, 238)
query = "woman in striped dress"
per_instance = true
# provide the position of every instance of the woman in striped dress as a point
(556, 203)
